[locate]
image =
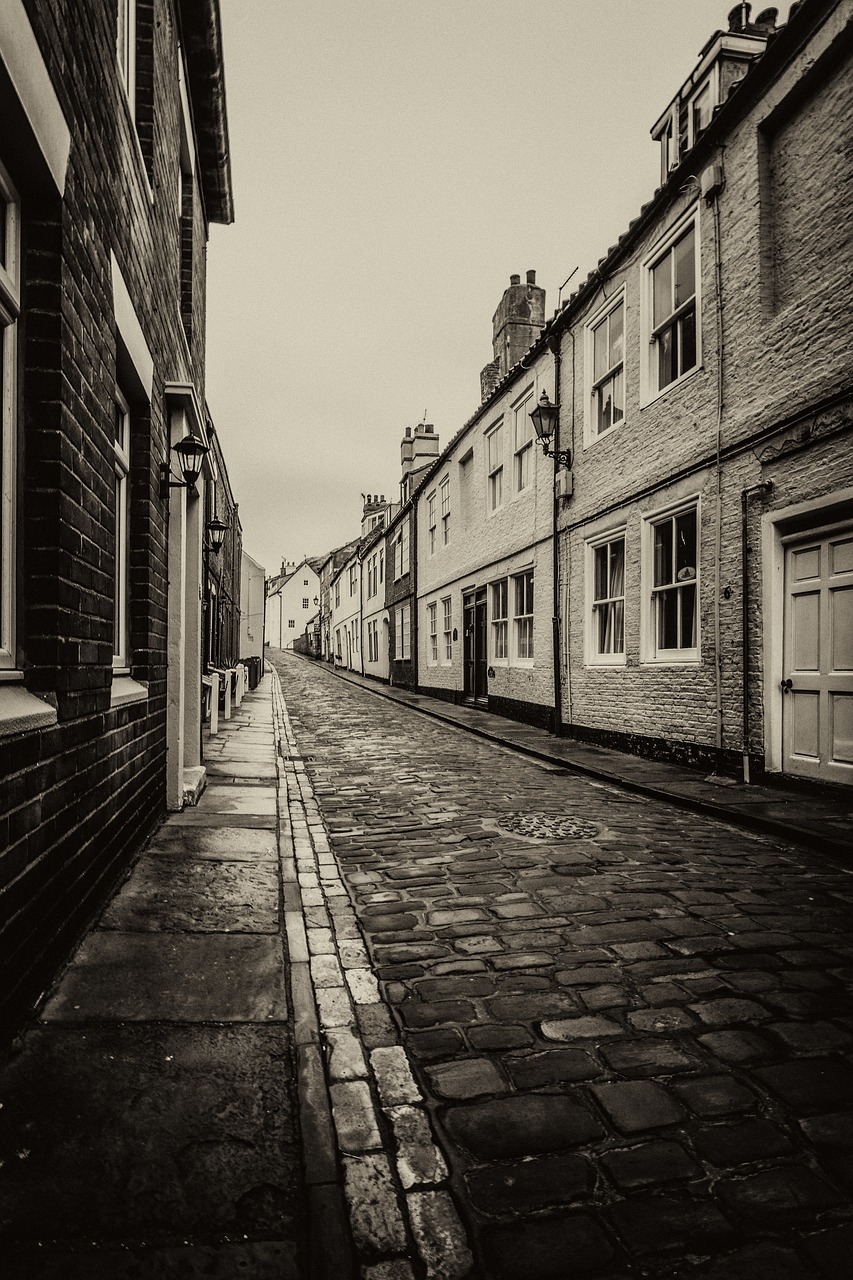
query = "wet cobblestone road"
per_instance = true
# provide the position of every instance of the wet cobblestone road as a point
(632, 1025)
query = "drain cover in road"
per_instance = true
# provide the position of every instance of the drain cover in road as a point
(546, 826)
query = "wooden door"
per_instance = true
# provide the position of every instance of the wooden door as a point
(817, 676)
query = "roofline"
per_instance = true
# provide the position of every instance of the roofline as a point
(778, 48)
(201, 39)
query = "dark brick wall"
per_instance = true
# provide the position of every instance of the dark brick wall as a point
(77, 798)
(398, 592)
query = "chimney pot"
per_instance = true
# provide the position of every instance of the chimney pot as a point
(531, 277)
(408, 432)
(515, 280)
(739, 17)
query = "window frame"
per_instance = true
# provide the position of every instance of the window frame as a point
(593, 657)
(126, 38)
(711, 82)
(431, 523)
(432, 633)
(593, 385)
(447, 628)
(499, 623)
(650, 333)
(444, 494)
(10, 311)
(494, 467)
(121, 540)
(523, 455)
(650, 653)
(402, 633)
(523, 623)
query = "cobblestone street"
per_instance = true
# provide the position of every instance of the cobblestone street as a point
(628, 1026)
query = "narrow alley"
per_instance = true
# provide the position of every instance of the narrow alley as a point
(630, 1025)
(396, 1002)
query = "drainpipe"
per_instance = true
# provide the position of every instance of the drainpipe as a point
(764, 487)
(361, 612)
(554, 345)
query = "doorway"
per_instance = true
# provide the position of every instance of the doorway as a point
(817, 657)
(475, 649)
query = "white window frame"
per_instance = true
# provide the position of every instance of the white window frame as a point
(126, 49)
(650, 654)
(381, 566)
(404, 548)
(431, 523)
(523, 458)
(432, 632)
(650, 390)
(353, 579)
(669, 148)
(593, 657)
(499, 621)
(711, 82)
(305, 602)
(591, 434)
(337, 593)
(447, 628)
(444, 492)
(121, 464)
(402, 633)
(495, 465)
(10, 309)
(523, 623)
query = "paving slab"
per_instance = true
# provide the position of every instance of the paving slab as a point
(229, 842)
(181, 893)
(139, 1132)
(120, 977)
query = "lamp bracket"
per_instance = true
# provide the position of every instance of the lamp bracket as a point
(168, 481)
(563, 456)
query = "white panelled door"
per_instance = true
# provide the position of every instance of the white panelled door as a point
(817, 677)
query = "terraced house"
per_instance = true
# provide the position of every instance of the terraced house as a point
(114, 161)
(706, 391)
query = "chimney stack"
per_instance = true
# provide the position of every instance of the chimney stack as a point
(418, 449)
(515, 327)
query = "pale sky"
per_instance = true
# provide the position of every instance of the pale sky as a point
(393, 164)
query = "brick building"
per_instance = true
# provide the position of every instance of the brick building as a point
(113, 161)
(485, 537)
(707, 552)
(221, 646)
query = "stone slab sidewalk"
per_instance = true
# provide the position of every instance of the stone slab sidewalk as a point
(819, 818)
(149, 1120)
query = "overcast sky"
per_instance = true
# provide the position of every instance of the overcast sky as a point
(393, 164)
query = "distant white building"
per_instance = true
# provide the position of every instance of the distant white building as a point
(292, 599)
(252, 584)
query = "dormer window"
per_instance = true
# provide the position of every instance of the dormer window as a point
(700, 107)
(669, 145)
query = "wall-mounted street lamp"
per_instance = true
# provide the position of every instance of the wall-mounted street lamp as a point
(191, 454)
(216, 530)
(316, 599)
(544, 418)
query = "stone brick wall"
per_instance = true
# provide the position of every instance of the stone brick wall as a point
(77, 797)
(784, 417)
(486, 545)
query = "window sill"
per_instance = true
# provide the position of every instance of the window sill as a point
(673, 660)
(523, 663)
(654, 396)
(591, 440)
(22, 712)
(598, 664)
(126, 690)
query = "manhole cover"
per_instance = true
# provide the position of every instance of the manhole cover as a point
(545, 826)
